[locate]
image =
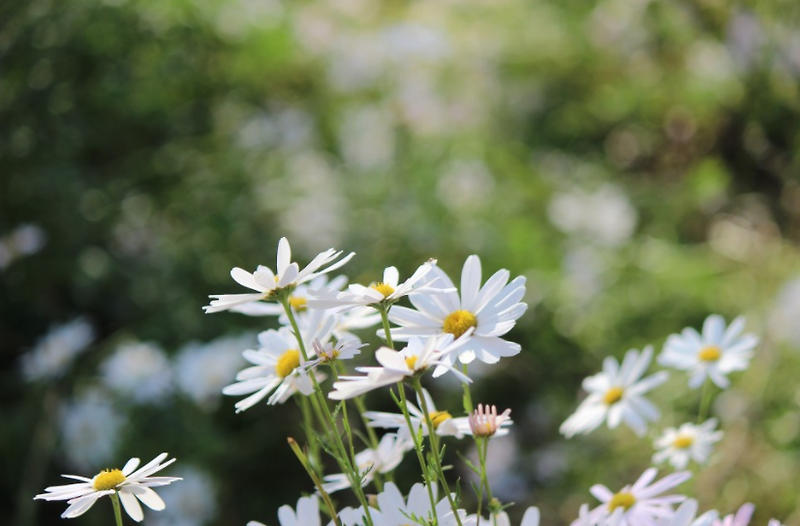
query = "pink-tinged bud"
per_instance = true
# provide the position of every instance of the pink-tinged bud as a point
(484, 421)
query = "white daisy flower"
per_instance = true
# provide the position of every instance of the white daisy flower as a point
(740, 518)
(617, 395)
(307, 514)
(443, 422)
(384, 459)
(139, 371)
(270, 285)
(278, 368)
(353, 516)
(394, 510)
(396, 366)
(386, 292)
(638, 504)
(689, 442)
(130, 485)
(491, 311)
(530, 518)
(715, 354)
(329, 352)
(56, 351)
(685, 516)
(298, 299)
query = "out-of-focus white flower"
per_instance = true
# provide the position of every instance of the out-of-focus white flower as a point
(367, 137)
(25, 240)
(531, 518)
(191, 503)
(128, 483)
(638, 503)
(268, 284)
(138, 371)
(203, 369)
(384, 459)
(689, 442)
(394, 510)
(685, 516)
(490, 311)
(605, 216)
(307, 514)
(56, 351)
(782, 320)
(740, 518)
(485, 422)
(90, 429)
(715, 354)
(465, 186)
(396, 366)
(617, 395)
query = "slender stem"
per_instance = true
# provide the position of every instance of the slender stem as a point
(308, 423)
(705, 401)
(385, 318)
(467, 395)
(317, 482)
(483, 450)
(117, 514)
(418, 448)
(434, 441)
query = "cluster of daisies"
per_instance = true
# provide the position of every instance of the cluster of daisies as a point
(442, 332)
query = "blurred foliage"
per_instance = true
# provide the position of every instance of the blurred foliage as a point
(637, 160)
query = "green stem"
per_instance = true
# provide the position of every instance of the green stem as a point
(483, 450)
(385, 318)
(308, 423)
(117, 513)
(705, 402)
(434, 441)
(317, 482)
(467, 394)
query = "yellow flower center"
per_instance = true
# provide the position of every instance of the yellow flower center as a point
(287, 363)
(683, 442)
(459, 322)
(621, 500)
(297, 303)
(613, 395)
(711, 353)
(411, 361)
(437, 417)
(108, 479)
(383, 288)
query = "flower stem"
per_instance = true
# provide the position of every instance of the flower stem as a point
(117, 513)
(385, 318)
(308, 424)
(317, 482)
(467, 395)
(705, 402)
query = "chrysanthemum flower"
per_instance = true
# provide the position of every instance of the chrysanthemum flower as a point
(384, 459)
(689, 442)
(386, 292)
(490, 311)
(129, 483)
(307, 514)
(330, 352)
(638, 504)
(714, 354)
(485, 422)
(298, 299)
(617, 395)
(396, 366)
(269, 285)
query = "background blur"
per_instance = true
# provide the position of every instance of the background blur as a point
(637, 160)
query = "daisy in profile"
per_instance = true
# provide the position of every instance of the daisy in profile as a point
(714, 354)
(616, 395)
(689, 442)
(384, 459)
(298, 299)
(307, 514)
(639, 503)
(416, 358)
(385, 292)
(128, 484)
(394, 510)
(274, 285)
(490, 311)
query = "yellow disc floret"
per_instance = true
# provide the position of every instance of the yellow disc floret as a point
(622, 500)
(710, 353)
(287, 363)
(613, 395)
(683, 442)
(108, 479)
(383, 288)
(411, 361)
(437, 417)
(298, 303)
(459, 322)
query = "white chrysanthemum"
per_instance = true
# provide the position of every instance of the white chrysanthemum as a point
(298, 299)
(278, 368)
(396, 366)
(714, 354)
(138, 371)
(443, 422)
(307, 514)
(56, 351)
(490, 311)
(330, 352)
(689, 442)
(129, 483)
(530, 518)
(604, 216)
(388, 291)
(89, 427)
(640, 503)
(617, 395)
(269, 284)
(191, 503)
(202, 370)
(384, 459)
(394, 510)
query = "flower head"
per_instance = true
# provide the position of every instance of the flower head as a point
(385, 458)
(56, 351)
(689, 442)
(394, 510)
(307, 514)
(129, 483)
(617, 395)
(484, 421)
(714, 354)
(272, 285)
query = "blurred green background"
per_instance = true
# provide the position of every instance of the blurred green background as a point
(637, 160)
